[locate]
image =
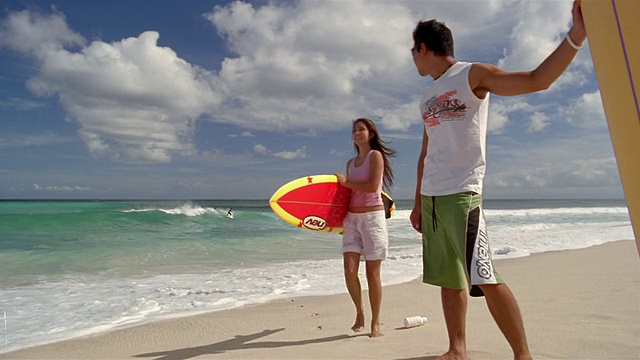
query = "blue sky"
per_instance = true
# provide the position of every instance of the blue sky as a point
(229, 100)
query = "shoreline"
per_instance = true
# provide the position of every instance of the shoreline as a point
(576, 304)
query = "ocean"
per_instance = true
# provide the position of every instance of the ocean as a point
(72, 268)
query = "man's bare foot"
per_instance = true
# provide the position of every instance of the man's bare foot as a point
(526, 356)
(359, 324)
(375, 331)
(453, 356)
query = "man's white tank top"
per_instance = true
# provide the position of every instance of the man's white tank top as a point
(456, 122)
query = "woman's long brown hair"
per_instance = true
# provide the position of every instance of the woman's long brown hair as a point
(376, 143)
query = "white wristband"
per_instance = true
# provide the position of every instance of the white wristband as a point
(573, 45)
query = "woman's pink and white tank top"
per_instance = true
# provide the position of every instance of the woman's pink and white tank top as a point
(361, 174)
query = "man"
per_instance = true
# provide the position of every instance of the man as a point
(451, 167)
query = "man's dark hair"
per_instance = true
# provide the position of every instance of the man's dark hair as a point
(435, 35)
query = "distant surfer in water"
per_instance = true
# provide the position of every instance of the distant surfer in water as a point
(230, 213)
(365, 226)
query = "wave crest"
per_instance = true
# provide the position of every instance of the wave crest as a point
(189, 210)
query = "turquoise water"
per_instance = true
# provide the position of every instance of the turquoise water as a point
(70, 268)
(142, 238)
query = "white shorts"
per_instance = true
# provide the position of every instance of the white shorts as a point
(366, 234)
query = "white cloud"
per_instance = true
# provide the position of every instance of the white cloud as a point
(13, 140)
(20, 104)
(500, 110)
(585, 162)
(35, 33)
(564, 172)
(286, 155)
(301, 66)
(64, 188)
(132, 100)
(540, 28)
(539, 122)
(260, 149)
(587, 112)
(400, 118)
(313, 49)
(498, 118)
(290, 155)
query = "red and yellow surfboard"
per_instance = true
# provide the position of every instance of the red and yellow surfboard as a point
(315, 202)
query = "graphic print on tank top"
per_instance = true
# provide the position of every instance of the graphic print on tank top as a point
(445, 107)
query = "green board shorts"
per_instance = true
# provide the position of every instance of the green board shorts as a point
(455, 246)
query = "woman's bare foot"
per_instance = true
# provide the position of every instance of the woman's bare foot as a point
(375, 330)
(359, 324)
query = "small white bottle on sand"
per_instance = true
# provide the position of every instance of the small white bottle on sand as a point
(412, 321)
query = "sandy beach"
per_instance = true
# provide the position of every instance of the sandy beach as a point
(577, 304)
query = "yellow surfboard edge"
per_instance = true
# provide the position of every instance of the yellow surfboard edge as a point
(613, 31)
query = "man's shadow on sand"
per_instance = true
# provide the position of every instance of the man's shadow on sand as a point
(239, 342)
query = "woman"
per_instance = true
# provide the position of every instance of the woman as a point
(365, 226)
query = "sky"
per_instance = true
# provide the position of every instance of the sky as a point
(174, 99)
